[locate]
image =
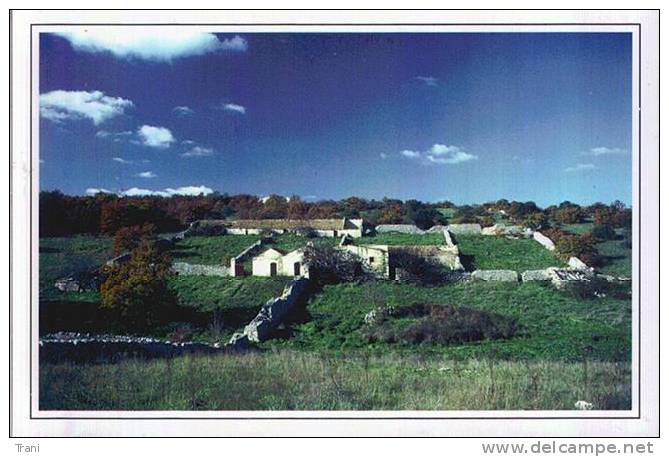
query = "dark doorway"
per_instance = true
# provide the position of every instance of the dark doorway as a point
(272, 269)
(296, 269)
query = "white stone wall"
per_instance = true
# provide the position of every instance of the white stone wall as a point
(544, 241)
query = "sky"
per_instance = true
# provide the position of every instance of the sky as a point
(465, 117)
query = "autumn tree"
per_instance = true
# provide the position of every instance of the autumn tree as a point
(128, 238)
(138, 291)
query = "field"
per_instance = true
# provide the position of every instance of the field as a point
(479, 252)
(552, 325)
(617, 257)
(234, 302)
(218, 250)
(59, 257)
(288, 380)
(399, 239)
(563, 348)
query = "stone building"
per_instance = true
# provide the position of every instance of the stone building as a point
(319, 227)
(273, 262)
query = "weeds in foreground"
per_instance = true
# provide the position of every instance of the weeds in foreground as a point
(290, 380)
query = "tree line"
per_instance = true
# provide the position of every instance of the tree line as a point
(63, 215)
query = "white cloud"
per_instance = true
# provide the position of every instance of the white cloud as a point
(580, 167)
(183, 111)
(146, 174)
(95, 190)
(116, 137)
(121, 160)
(168, 192)
(150, 43)
(602, 150)
(198, 151)
(428, 80)
(383, 155)
(410, 154)
(440, 154)
(155, 137)
(233, 107)
(61, 105)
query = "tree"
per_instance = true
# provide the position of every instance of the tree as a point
(128, 238)
(137, 290)
(297, 208)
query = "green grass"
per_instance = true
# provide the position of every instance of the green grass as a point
(402, 239)
(212, 250)
(478, 252)
(60, 257)
(218, 250)
(618, 258)
(551, 324)
(447, 212)
(578, 229)
(287, 380)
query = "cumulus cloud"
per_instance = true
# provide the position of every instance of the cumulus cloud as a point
(155, 137)
(146, 174)
(150, 43)
(168, 192)
(602, 150)
(410, 154)
(428, 80)
(383, 155)
(440, 154)
(61, 105)
(183, 111)
(198, 151)
(235, 108)
(121, 160)
(580, 167)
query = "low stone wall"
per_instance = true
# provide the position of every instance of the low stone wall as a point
(184, 268)
(448, 239)
(465, 229)
(399, 228)
(544, 241)
(495, 275)
(78, 347)
(506, 230)
(270, 315)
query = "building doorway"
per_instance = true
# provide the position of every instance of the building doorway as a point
(272, 269)
(297, 269)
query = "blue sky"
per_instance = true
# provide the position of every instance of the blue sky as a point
(459, 116)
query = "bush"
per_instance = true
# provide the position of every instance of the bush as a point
(440, 324)
(598, 288)
(535, 221)
(416, 269)
(328, 265)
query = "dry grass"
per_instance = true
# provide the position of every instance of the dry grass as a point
(289, 380)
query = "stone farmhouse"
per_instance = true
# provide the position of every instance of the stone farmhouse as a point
(380, 258)
(274, 262)
(319, 227)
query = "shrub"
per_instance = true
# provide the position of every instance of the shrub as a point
(328, 265)
(441, 324)
(535, 221)
(598, 288)
(416, 269)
